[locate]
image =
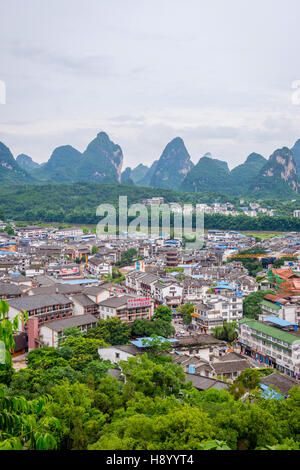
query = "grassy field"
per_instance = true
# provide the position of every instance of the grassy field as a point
(263, 235)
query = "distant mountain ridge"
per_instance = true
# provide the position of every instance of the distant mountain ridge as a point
(102, 161)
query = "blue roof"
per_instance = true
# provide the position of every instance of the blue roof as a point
(187, 265)
(79, 281)
(224, 285)
(279, 321)
(268, 392)
(142, 342)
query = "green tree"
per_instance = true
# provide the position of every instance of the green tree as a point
(151, 378)
(95, 249)
(186, 311)
(251, 303)
(227, 332)
(113, 331)
(80, 422)
(163, 312)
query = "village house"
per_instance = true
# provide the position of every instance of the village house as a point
(9, 291)
(83, 305)
(50, 333)
(98, 267)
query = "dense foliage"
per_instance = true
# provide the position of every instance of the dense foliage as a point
(66, 400)
(251, 303)
(77, 203)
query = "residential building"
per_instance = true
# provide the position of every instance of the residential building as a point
(270, 346)
(126, 308)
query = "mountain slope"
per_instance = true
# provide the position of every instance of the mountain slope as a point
(242, 175)
(26, 162)
(208, 175)
(173, 165)
(10, 171)
(278, 177)
(145, 181)
(126, 176)
(139, 172)
(61, 166)
(296, 154)
(102, 161)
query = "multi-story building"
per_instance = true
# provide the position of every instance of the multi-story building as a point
(84, 305)
(98, 267)
(40, 309)
(31, 232)
(171, 258)
(52, 332)
(69, 232)
(215, 310)
(126, 308)
(143, 284)
(270, 345)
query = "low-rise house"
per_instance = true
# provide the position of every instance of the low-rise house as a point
(281, 382)
(115, 354)
(97, 293)
(83, 305)
(98, 267)
(205, 383)
(50, 333)
(9, 291)
(230, 366)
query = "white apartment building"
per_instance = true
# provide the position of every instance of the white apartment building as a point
(215, 309)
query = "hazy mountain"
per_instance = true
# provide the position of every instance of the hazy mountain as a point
(26, 162)
(278, 177)
(173, 166)
(126, 176)
(61, 166)
(242, 175)
(145, 181)
(139, 172)
(101, 161)
(209, 174)
(10, 171)
(296, 154)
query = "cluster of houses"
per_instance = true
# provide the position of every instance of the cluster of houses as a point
(64, 278)
(226, 208)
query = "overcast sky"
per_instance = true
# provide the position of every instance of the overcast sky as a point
(217, 73)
